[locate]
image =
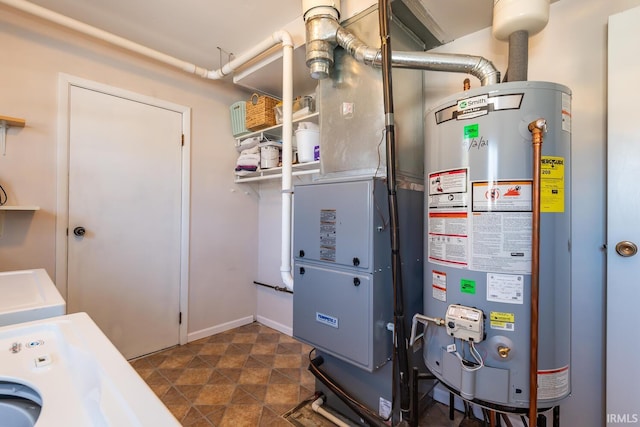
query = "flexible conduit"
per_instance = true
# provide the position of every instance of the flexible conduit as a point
(276, 38)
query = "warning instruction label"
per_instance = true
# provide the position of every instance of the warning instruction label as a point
(328, 235)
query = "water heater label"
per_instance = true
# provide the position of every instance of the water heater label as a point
(448, 182)
(502, 196)
(327, 320)
(501, 226)
(502, 321)
(473, 107)
(507, 288)
(553, 383)
(552, 184)
(480, 105)
(439, 285)
(448, 220)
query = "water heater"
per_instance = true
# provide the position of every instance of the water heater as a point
(478, 243)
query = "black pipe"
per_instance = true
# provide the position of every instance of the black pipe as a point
(416, 377)
(366, 414)
(277, 288)
(452, 403)
(401, 343)
(415, 412)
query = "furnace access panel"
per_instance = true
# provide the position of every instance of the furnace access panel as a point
(342, 301)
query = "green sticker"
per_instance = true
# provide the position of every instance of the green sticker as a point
(471, 131)
(468, 286)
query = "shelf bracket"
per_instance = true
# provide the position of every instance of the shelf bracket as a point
(5, 123)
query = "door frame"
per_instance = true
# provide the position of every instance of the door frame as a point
(65, 82)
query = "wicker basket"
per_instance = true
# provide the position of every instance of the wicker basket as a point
(259, 112)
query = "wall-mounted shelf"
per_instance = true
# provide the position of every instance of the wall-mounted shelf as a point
(308, 168)
(5, 123)
(4, 209)
(275, 133)
(19, 208)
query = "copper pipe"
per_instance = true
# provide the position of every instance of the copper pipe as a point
(537, 128)
(466, 85)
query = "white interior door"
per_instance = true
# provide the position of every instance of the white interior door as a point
(125, 192)
(623, 220)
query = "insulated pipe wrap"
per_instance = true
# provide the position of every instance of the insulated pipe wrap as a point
(517, 69)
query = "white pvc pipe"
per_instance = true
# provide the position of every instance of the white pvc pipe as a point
(317, 408)
(278, 37)
(81, 27)
(287, 158)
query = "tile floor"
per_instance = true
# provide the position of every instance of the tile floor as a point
(248, 376)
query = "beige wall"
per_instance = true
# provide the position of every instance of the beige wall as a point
(223, 218)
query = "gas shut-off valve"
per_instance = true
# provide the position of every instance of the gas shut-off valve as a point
(465, 323)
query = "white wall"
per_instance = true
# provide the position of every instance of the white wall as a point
(223, 218)
(571, 51)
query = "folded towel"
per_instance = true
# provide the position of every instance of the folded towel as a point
(248, 143)
(246, 168)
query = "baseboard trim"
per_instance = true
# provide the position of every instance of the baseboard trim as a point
(204, 333)
(275, 325)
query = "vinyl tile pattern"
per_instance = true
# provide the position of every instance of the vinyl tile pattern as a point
(248, 376)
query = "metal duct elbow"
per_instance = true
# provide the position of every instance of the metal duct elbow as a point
(477, 66)
(357, 48)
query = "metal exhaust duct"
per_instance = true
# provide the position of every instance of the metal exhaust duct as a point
(323, 32)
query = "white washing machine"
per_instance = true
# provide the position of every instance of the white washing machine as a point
(63, 371)
(28, 295)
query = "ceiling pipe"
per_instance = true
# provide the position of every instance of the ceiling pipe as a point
(99, 34)
(277, 38)
(323, 32)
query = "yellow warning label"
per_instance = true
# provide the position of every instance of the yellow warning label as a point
(502, 321)
(552, 184)
(497, 316)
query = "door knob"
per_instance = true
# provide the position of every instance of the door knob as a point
(79, 231)
(626, 248)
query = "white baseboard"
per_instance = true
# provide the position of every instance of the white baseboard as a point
(275, 325)
(203, 333)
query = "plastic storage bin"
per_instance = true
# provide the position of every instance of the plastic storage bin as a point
(238, 114)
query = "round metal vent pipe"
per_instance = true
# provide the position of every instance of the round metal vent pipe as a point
(323, 33)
